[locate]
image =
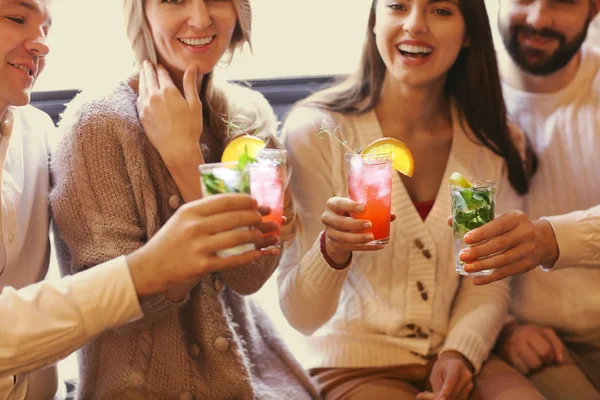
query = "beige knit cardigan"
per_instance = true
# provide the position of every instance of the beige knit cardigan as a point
(112, 192)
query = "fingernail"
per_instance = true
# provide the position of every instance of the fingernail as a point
(368, 225)
(467, 237)
(369, 237)
(469, 268)
(464, 255)
(360, 208)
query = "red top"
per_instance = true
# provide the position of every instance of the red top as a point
(424, 207)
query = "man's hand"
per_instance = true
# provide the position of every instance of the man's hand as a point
(451, 378)
(185, 248)
(509, 245)
(529, 347)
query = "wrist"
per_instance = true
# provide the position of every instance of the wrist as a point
(145, 283)
(335, 259)
(182, 161)
(453, 354)
(550, 250)
(507, 330)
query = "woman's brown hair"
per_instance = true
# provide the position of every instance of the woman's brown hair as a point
(473, 83)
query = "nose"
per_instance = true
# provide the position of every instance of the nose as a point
(200, 16)
(37, 44)
(416, 23)
(539, 16)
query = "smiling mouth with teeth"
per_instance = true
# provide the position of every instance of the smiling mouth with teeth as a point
(197, 42)
(22, 68)
(414, 51)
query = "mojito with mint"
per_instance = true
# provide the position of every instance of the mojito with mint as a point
(473, 205)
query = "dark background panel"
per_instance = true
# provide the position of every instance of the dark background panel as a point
(281, 93)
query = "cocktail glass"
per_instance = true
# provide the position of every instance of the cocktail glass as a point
(267, 181)
(221, 178)
(471, 208)
(370, 184)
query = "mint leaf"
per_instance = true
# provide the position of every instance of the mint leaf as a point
(463, 217)
(473, 200)
(485, 214)
(244, 182)
(245, 159)
(474, 223)
(213, 184)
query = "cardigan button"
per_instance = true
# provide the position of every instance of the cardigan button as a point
(424, 296)
(420, 286)
(419, 244)
(222, 344)
(174, 202)
(195, 350)
(411, 327)
(427, 254)
(186, 396)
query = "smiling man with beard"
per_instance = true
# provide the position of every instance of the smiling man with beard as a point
(551, 85)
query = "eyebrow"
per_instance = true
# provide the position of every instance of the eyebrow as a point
(455, 2)
(33, 7)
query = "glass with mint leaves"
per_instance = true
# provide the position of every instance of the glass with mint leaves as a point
(473, 205)
(227, 177)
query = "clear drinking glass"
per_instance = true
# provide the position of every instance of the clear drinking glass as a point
(267, 182)
(221, 178)
(471, 208)
(370, 184)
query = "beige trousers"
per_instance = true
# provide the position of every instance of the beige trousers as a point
(578, 378)
(496, 381)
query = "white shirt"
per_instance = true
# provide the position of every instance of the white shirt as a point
(594, 33)
(42, 323)
(373, 313)
(564, 128)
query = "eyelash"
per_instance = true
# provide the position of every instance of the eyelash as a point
(17, 20)
(443, 12)
(440, 11)
(397, 7)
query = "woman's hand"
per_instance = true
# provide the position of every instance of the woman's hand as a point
(173, 124)
(269, 229)
(529, 347)
(172, 121)
(184, 249)
(342, 235)
(510, 244)
(451, 378)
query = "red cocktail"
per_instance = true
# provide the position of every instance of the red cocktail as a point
(370, 184)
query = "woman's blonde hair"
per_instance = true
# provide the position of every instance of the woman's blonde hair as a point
(213, 93)
(225, 105)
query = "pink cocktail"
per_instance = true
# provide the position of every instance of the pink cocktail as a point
(370, 184)
(267, 182)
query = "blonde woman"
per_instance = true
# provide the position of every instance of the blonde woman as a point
(127, 161)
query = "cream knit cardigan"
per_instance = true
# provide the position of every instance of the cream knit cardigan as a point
(375, 312)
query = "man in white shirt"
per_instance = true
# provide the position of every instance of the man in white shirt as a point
(594, 33)
(551, 85)
(41, 323)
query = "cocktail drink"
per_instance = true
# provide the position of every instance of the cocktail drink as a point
(229, 177)
(472, 207)
(370, 184)
(267, 181)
